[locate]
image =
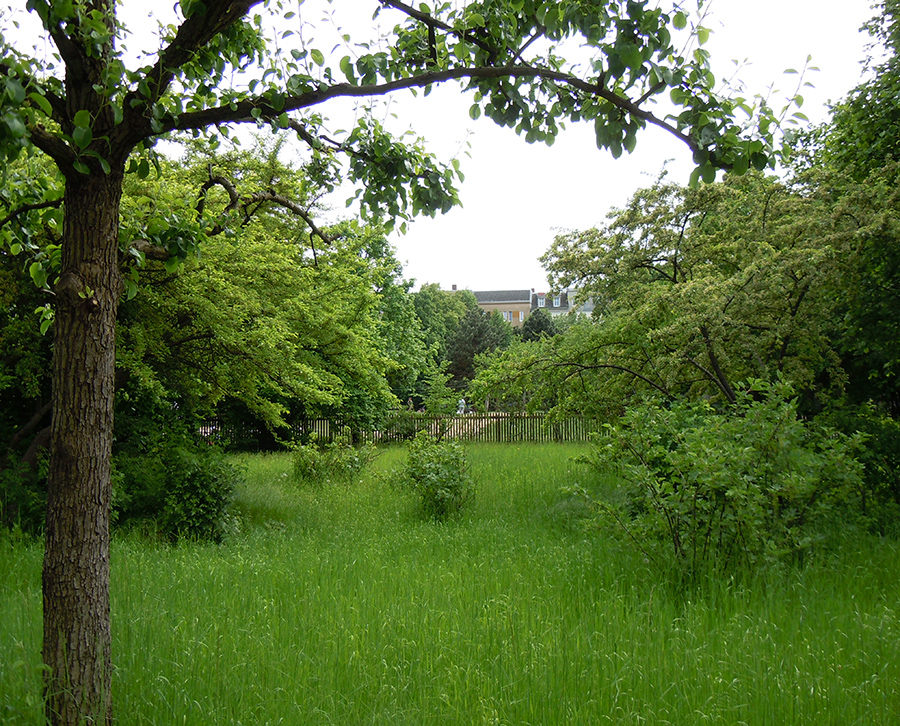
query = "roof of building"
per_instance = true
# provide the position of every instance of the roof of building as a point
(502, 296)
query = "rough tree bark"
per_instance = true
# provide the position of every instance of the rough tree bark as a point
(76, 566)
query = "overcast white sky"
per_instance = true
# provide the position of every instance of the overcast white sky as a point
(516, 196)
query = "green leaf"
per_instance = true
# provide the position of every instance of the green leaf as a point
(131, 289)
(16, 127)
(15, 91)
(104, 164)
(474, 111)
(42, 103)
(82, 119)
(81, 167)
(82, 136)
(318, 58)
(694, 180)
(38, 274)
(679, 20)
(631, 56)
(702, 35)
(15, 249)
(347, 69)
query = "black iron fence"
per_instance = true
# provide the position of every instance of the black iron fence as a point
(492, 427)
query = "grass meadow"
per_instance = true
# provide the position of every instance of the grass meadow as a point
(339, 605)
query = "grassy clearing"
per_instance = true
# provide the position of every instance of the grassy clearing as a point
(338, 606)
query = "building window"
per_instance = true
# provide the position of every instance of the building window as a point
(541, 301)
(521, 316)
(557, 301)
(507, 316)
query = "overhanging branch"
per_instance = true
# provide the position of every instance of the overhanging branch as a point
(243, 111)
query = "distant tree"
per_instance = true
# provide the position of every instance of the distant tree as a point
(439, 312)
(855, 165)
(478, 333)
(864, 130)
(705, 289)
(538, 324)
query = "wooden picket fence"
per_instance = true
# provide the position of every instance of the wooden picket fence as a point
(492, 427)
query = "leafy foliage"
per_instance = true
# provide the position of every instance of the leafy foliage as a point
(267, 315)
(705, 491)
(694, 290)
(864, 129)
(437, 472)
(440, 312)
(478, 333)
(880, 455)
(23, 498)
(334, 461)
(165, 474)
(538, 323)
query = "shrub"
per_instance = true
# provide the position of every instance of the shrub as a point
(437, 472)
(726, 491)
(880, 455)
(199, 488)
(338, 460)
(166, 475)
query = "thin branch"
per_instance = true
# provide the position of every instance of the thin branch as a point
(293, 207)
(433, 22)
(579, 367)
(539, 33)
(25, 208)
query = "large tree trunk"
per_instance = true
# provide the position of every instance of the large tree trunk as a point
(76, 562)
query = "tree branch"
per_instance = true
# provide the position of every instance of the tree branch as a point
(54, 147)
(195, 32)
(242, 111)
(433, 22)
(25, 208)
(579, 367)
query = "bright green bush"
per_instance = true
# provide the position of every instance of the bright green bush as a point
(437, 471)
(726, 491)
(338, 460)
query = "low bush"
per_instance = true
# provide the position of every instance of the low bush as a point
(183, 486)
(726, 491)
(167, 480)
(337, 460)
(437, 471)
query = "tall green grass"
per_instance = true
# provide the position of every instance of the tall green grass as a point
(338, 605)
